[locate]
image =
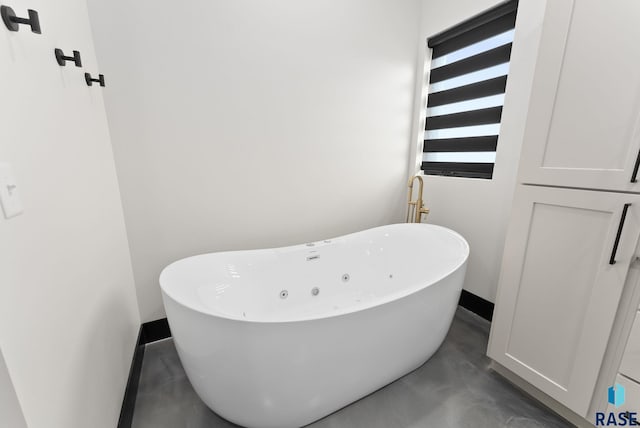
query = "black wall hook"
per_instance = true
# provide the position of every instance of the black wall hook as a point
(62, 60)
(90, 80)
(12, 21)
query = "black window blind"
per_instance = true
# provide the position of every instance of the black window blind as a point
(467, 82)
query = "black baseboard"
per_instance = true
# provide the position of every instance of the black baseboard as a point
(149, 332)
(153, 331)
(477, 305)
(130, 393)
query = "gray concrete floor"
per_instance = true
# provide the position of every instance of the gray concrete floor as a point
(455, 388)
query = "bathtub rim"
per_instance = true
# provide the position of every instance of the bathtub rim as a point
(408, 291)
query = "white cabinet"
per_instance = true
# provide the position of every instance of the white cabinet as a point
(583, 126)
(558, 291)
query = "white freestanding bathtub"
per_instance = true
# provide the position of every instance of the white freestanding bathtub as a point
(281, 337)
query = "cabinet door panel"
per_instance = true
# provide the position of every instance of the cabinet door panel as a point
(583, 123)
(558, 293)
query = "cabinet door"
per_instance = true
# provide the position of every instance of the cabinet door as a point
(582, 127)
(558, 293)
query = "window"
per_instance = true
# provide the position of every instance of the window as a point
(467, 82)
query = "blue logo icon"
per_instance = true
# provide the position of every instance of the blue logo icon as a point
(616, 395)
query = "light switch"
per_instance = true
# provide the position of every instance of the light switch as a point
(9, 194)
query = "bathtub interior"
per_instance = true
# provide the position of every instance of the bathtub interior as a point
(329, 277)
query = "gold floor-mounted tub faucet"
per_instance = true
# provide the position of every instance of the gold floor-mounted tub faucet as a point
(415, 208)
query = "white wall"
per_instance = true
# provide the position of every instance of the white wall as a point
(68, 315)
(245, 124)
(479, 209)
(10, 411)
